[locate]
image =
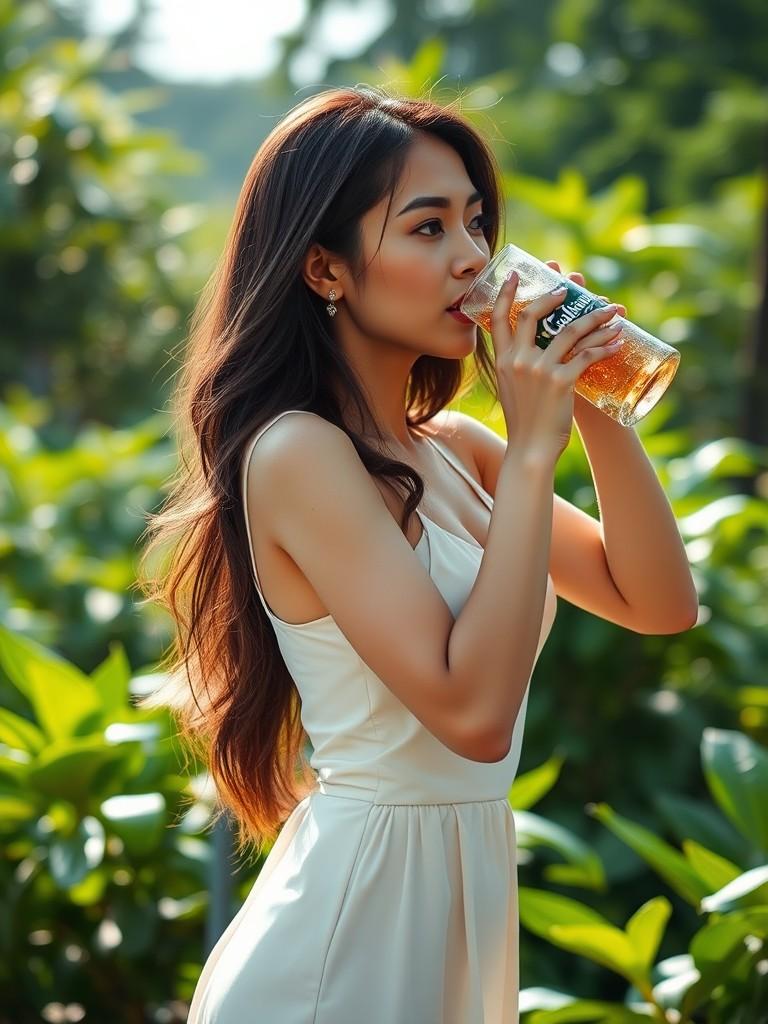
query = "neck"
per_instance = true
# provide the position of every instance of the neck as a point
(383, 373)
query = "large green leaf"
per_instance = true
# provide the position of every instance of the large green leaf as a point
(138, 819)
(584, 866)
(662, 857)
(736, 770)
(60, 695)
(540, 911)
(580, 929)
(646, 927)
(70, 769)
(716, 871)
(532, 786)
(111, 679)
(588, 1011)
(604, 944)
(716, 949)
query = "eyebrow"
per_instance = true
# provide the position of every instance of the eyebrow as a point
(432, 201)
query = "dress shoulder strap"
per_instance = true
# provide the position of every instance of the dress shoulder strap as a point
(453, 461)
(243, 489)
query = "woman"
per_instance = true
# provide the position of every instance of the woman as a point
(351, 550)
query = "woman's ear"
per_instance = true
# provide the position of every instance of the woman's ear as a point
(322, 272)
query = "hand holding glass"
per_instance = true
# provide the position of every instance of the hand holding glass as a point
(625, 385)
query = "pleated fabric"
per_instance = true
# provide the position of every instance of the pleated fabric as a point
(390, 894)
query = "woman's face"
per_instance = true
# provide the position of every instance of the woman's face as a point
(431, 250)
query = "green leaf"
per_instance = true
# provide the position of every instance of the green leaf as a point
(559, 200)
(427, 62)
(111, 679)
(662, 857)
(588, 1011)
(138, 819)
(715, 870)
(18, 733)
(14, 767)
(715, 940)
(91, 889)
(744, 889)
(585, 867)
(70, 769)
(540, 911)
(756, 919)
(693, 819)
(716, 949)
(646, 927)
(529, 788)
(60, 695)
(736, 770)
(70, 858)
(604, 944)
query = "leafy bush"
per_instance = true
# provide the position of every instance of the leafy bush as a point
(723, 977)
(103, 877)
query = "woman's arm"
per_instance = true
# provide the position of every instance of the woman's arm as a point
(628, 567)
(643, 548)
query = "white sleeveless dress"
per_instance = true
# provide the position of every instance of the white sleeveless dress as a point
(390, 894)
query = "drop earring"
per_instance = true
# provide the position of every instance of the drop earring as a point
(331, 307)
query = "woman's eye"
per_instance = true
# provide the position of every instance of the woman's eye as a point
(483, 221)
(429, 224)
(477, 224)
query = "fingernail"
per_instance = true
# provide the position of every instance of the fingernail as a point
(512, 277)
(559, 291)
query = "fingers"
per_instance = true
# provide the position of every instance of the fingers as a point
(573, 367)
(604, 338)
(536, 310)
(622, 309)
(591, 329)
(501, 331)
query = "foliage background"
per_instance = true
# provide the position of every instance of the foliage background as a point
(634, 142)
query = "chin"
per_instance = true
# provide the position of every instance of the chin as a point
(454, 355)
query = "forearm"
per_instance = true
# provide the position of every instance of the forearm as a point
(643, 547)
(493, 644)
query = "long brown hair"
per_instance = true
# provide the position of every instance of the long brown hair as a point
(261, 342)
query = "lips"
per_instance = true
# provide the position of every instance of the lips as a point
(457, 303)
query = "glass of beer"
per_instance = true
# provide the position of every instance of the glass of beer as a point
(627, 384)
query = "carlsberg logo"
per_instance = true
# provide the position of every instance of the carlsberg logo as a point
(574, 305)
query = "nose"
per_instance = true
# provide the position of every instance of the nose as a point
(472, 258)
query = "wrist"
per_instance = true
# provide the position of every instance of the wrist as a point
(534, 462)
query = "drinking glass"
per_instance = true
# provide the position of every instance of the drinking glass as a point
(627, 384)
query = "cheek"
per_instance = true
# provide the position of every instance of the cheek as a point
(409, 274)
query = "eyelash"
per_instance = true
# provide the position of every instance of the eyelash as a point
(484, 221)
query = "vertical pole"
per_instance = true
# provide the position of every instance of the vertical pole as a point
(220, 883)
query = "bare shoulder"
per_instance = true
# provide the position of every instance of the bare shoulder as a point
(294, 453)
(297, 429)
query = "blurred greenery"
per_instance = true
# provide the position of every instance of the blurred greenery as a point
(632, 139)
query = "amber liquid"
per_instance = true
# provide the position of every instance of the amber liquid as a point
(627, 384)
